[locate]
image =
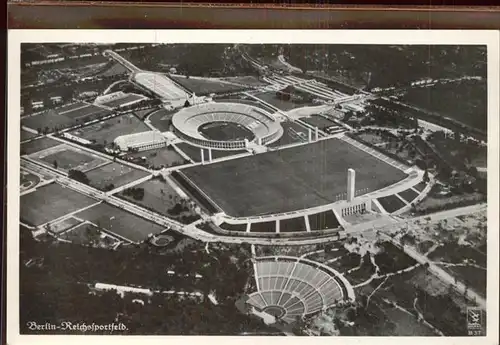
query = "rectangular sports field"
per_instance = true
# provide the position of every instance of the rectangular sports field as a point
(25, 135)
(64, 117)
(165, 156)
(68, 158)
(270, 97)
(120, 222)
(128, 98)
(114, 173)
(51, 202)
(106, 131)
(290, 179)
(38, 145)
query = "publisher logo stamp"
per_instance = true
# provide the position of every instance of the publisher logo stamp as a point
(475, 322)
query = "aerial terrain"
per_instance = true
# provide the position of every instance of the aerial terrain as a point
(236, 189)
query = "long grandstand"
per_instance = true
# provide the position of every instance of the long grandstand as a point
(187, 122)
(290, 287)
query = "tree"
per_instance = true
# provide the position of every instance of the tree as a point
(55, 164)
(187, 104)
(426, 176)
(79, 176)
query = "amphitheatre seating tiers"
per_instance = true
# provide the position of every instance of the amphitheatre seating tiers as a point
(294, 286)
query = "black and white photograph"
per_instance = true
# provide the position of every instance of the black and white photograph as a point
(259, 187)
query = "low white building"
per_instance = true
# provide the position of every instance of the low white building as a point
(141, 141)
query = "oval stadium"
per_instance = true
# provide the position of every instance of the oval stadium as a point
(291, 287)
(226, 126)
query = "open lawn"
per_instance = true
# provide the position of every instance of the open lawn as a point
(225, 131)
(246, 101)
(106, 131)
(390, 203)
(247, 80)
(67, 158)
(323, 220)
(234, 227)
(165, 156)
(120, 222)
(25, 135)
(263, 227)
(207, 86)
(38, 145)
(61, 118)
(64, 225)
(290, 179)
(161, 119)
(409, 195)
(464, 102)
(159, 196)
(51, 202)
(270, 97)
(292, 224)
(124, 100)
(113, 173)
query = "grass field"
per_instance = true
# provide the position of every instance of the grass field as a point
(113, 173)
(409, 195)
(225, 131)
(106, 131)
(64, 117)
(158, 196)
(38, 145)
(234, 227)
(165, 156)
(50, 202)
(70, 158)
(117, 102)
(292, 224)
(246, 101)
(120, 222)
(64, 225)
(263, 227)
(247, 80)
(323, 220)
(465, 102)
(290, 179)
(207, 86)
(25, 135)
(161, 119)
(391, 203)
(195, 154)
(270, 97)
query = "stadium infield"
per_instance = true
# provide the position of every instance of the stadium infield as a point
(290, 179)
(106, 131)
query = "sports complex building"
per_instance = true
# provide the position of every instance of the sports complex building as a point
(201, 124)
